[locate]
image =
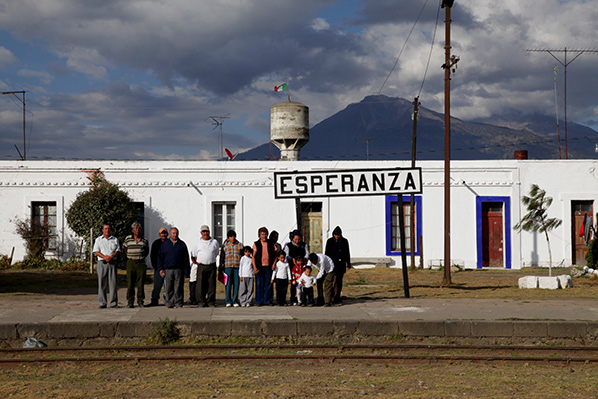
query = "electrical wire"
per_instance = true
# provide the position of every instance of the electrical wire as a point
(431, 48)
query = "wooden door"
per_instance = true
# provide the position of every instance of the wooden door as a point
(578, 211)
(311, 221)
(492, 234)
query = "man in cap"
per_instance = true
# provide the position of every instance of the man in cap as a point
(158, 279)
(136, 248)
(204, 256)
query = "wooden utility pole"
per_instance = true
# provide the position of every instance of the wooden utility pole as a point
(416, 105)
(449, 62)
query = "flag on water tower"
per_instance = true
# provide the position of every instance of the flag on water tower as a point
(282, 87)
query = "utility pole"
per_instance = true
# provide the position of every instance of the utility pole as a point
(416, 105)
(449, 62)
(556, 108)
(367, 146)
(564, 63)
(14, 93)
(218, 120)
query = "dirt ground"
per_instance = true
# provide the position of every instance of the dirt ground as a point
(363, 284)
(299, 379)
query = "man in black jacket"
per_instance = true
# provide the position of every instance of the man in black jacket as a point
(337, 248)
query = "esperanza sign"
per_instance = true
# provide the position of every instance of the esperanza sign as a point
(337, 183)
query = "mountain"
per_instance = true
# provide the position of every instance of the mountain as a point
(387, 123)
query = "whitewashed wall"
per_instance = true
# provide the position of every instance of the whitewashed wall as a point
(179, 193)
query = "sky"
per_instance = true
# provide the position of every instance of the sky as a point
(139, 79)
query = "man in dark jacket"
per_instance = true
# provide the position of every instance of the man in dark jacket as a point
(173, 259)
(158, 279)
(337, 248)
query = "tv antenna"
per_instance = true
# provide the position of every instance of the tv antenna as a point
(564, 63)
(217, 121)
(14, 93)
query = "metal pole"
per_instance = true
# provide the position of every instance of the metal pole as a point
(91, 250)
(556, 108)
(24, 131)
(565, 90)
(403, 253)
(447, 149)
(298, 215)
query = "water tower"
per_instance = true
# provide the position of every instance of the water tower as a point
(289, 128)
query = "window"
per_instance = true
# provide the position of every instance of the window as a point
(223, 219)
(393, 231)
(43, 214)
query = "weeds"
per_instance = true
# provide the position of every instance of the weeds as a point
(166, 334)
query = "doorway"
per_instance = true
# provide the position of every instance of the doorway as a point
(311, 222)
(492, 234)
(579, 209)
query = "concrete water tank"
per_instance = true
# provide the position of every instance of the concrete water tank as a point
(289, 128)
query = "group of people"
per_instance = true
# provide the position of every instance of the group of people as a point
(249, 273)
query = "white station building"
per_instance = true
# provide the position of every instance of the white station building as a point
(240, 195)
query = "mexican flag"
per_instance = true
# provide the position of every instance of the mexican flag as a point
(282, 87)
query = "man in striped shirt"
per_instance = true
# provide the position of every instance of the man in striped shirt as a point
(136, 248)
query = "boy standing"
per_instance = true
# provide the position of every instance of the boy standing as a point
(306, 282)
(246, 278)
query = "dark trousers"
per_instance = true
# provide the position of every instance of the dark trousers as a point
(206, 284)
(337, 284)
(307, 296)
(135, 280)
(325, 289)
(293, 293)
(174, 285)
(158, 283)
(264, 292)
(282, 286)
(192, 296)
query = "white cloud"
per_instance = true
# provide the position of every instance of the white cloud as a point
(44, 77)
(320, 24)
(6, 57)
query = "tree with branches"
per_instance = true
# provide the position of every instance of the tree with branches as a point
(536, 219)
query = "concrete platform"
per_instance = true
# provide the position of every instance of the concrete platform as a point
(74, 319)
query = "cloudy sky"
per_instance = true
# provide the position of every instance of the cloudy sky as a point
(130, 79)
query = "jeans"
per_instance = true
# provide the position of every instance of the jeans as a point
(232, 284)
(264, 292)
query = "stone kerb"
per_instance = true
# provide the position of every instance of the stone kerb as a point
(547, 283)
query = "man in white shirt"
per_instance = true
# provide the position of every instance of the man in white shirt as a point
(204, 255)
(106, 248)
(325, 277)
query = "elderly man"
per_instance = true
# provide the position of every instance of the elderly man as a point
(158, 279)
(106, 248)
(204, 256)
(173, 258)
(136, 248)
(324, 278)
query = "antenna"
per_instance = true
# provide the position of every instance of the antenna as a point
(564, 63)
(217, 120)
(14, 93)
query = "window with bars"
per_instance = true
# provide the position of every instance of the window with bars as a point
(223, 219)
(43, 214)
(393, 231)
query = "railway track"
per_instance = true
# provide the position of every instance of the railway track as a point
(418, 353)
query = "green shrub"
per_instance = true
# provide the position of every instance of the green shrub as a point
(592, 254)
(167, 333)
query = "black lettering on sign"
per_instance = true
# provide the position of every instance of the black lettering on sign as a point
(378, 180)
(316, 180)
(346, 180)
(394, 184)
(330, 184)
(410, 182)
(363, 184)
(283, 184)
(301, 183)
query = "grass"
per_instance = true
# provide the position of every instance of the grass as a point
(299, 379)
(359, 284)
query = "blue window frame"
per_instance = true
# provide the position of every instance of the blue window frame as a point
(507, 226)
(392, 221)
